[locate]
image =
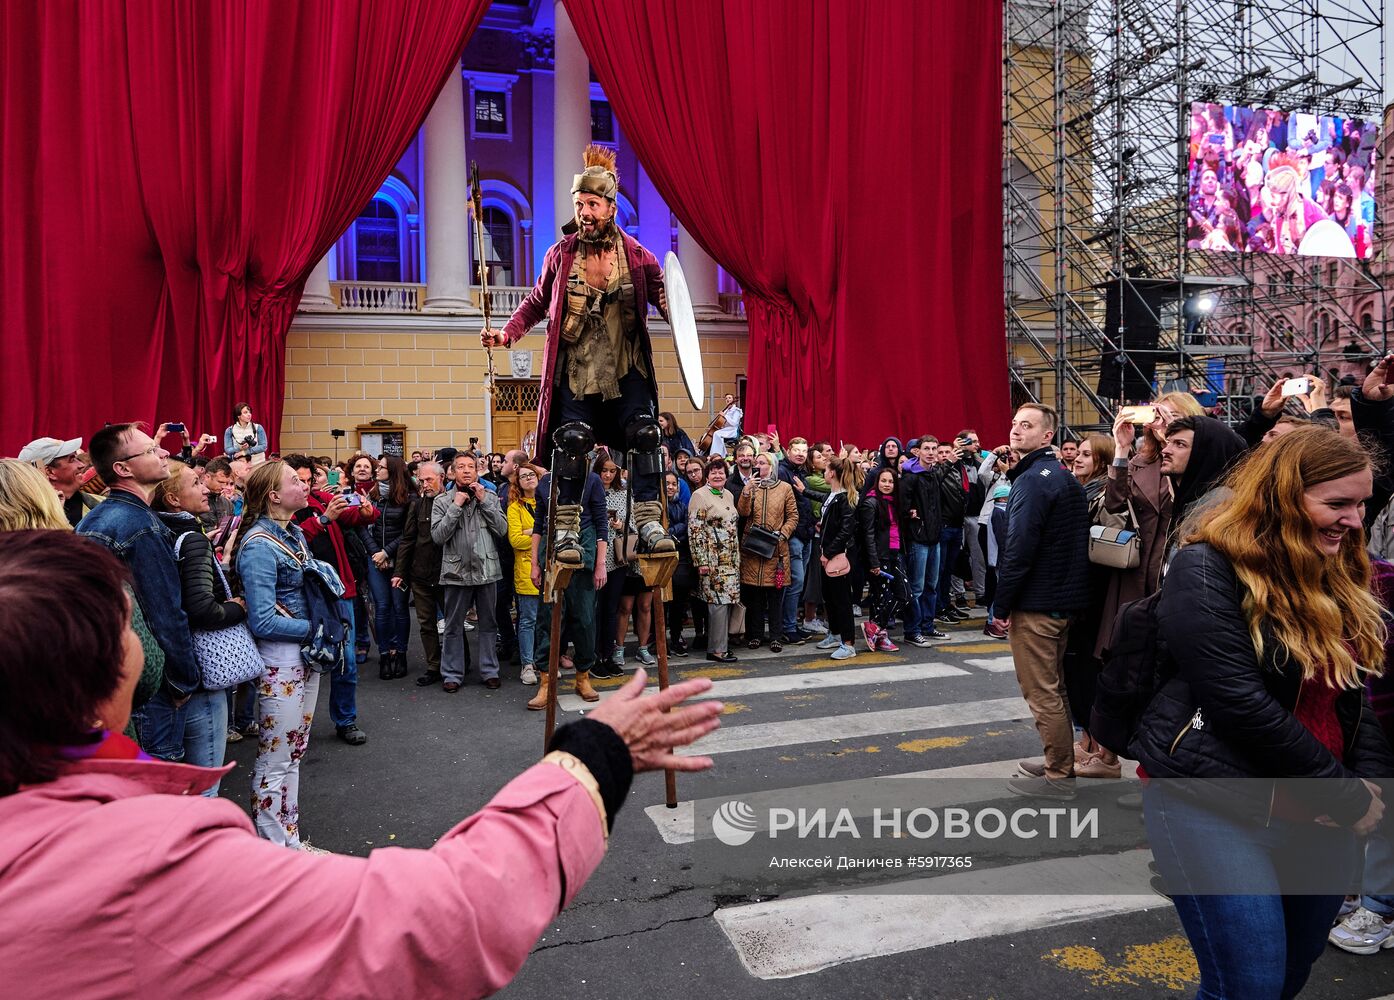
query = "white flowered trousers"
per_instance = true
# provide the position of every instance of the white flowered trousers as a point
(285, 709)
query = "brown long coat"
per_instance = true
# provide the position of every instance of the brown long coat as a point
(775, 508)
(1142, 482)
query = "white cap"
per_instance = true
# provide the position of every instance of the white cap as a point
(46, 451)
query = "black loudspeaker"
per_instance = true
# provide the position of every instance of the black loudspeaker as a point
(1136, 309)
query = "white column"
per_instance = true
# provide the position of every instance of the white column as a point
(571, 113)
(317, 297)
(700, 271)
(447, 195)
(655, 230)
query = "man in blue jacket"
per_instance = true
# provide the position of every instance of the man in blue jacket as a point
(133, 465)
(1042, 582)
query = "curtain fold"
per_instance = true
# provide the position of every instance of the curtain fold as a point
(172, 172)
(842, 160)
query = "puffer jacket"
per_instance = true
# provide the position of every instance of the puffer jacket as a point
(205, 600)
(1224, 715)
(771, 507)
(1044, 565)
(386, 533)
(466, 534)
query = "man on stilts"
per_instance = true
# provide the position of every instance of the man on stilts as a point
(598, 382)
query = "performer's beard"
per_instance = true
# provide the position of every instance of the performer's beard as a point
(603, 235)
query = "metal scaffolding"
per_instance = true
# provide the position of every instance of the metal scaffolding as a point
(1096, 119)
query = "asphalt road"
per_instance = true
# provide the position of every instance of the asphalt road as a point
(644, 924)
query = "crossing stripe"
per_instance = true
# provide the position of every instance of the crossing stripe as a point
(758, 736)
(997, 665)
(676, 825)
(806, 681)
(794, 936)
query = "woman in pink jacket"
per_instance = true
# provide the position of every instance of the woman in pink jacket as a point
(118, 879)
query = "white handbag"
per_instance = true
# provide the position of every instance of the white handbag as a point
(228, 656)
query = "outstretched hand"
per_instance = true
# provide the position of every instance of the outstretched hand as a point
(651, 731)
(1376, 387)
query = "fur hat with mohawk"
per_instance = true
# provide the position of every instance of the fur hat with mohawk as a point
(599, 176)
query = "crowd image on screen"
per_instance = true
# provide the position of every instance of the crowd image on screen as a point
(1276, 182)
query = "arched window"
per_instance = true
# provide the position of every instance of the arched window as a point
(377, 245)
(498, 246)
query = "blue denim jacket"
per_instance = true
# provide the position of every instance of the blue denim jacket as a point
(126, 525)
(270, 576)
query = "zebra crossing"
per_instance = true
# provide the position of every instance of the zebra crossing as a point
(802, 934)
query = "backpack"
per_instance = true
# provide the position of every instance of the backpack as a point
(1136, 664)
(323, 648)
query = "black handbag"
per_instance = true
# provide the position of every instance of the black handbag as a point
(760, 541)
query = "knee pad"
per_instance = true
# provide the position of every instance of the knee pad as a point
(573, 442)
(645, 442)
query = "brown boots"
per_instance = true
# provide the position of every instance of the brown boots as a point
(584, 691)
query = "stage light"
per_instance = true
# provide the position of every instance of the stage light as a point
(1205, 304)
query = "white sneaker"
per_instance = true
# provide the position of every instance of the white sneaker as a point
(830, 642)
(468, 626)
(440, 626)
(529, 675)
(817, 625)
(844, 651)
(1364, 932)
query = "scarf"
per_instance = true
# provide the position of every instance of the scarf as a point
(108, 746)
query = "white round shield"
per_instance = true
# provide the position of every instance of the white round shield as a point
(684, 323)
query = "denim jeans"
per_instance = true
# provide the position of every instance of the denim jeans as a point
(245, 712)
(1258, 945)
(528, 605)
(950, 541)
(1378, 879)
(793, 593)
(916, 559)
(159, 727)
(390, 611)
(205, 731)
(343, 681)
(362, 631)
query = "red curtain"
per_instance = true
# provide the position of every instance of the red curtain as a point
(841, 159)
(172, 171)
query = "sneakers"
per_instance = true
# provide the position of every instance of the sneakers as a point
(993, 630)
(884, 644)
(936, 633)
(954, 615)
(1094, 766)
(645, 657)
(617, 657)
(251, 729)
(870, 630)
(829, 642)
(1031, 768)
(440, 626)
(917, 640)
(816, 625)
(528, 675)
(1364, 932)
(1043, 787)
(796, 638)
(233, 736)
(844, 651)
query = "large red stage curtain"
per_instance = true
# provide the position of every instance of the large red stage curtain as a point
(842, 159)
(172, 171)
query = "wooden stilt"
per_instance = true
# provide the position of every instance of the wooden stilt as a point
(557, 578)
(657, 571)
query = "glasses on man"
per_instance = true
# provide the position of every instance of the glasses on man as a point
(153, 449)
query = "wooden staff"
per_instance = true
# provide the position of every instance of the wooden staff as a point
(476, 202)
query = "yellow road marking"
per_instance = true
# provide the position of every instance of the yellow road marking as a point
(732, 707)
(980, 647)
(1169, 963)
(935, 743)
(862, 659)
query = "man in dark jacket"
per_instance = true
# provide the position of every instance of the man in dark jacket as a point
(793, 469)
(1042, 581)
(418, 564)
(954, 488)
(920, 516)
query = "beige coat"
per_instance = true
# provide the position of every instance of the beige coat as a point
(1142, 482)
(771, 507)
